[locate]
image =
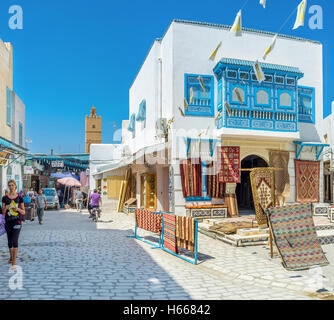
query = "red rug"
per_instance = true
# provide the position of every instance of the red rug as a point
(191, 177)
(169, 232)
(307, 181)
(229, 161)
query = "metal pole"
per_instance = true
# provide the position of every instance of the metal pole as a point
(196, 239)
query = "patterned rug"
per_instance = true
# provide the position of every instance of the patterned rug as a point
(191, 177)
(149, 221)
(232, 205)
(307, 180)
(169, 232)
(229, 161)
(185, 233)
(295, 237)
(280, 159)
(214, 188)
(263, 189)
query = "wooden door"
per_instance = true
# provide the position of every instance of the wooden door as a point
(151, 192)
(114, 184)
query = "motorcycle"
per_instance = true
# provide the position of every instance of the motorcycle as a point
(96, 214)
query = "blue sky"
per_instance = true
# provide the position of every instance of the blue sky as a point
(73, 54)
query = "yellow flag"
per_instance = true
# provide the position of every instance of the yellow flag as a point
(191, 98)
(300, 15)
(201, 82)
(238, 95)
(228, 108)
(270, 47)
(258, 72)
(263, 3)
(214, 53)
(182, 113)
(237, 25)
(185, 102)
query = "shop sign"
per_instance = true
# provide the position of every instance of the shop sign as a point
(28, 170)
(57, 164)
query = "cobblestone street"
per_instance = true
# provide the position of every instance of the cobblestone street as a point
(71, 257)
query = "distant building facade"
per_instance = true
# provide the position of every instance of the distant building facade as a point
(93, 129)
(12, 123)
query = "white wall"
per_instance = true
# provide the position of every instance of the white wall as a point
(102, 155)
(145, 86)
(193, 44)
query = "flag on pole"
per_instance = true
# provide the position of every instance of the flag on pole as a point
(182, 113)
(201, 82)
(270, 47)
(228, 108)
(258, 72)
(238, 95)
(237, 25)
(191, 95)
(214, 53)
(185, 102)
(263, 3)
(300, 15)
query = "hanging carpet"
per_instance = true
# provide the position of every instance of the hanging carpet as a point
(307, 181)
(169, 232)
(280, 159)
(185, 233)
(191, 177)
(295, 237)
(229, 161)
(232, 205)
(149, 221)
(263, 190)
(214, 188)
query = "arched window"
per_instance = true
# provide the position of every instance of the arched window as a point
(285, 99)
(238, 94)
(262, 97)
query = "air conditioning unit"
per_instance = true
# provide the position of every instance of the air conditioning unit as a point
(126, 152)
(161, 127)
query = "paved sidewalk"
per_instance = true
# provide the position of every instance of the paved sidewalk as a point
(71, 257)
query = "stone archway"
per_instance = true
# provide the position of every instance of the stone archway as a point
(244, 189)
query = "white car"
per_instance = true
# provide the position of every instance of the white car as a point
(52, 199)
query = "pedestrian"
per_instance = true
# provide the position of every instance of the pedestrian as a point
(41, 204)
(60, 195)
(78, 199)
(34, 196)
(94, 202)
(13, 210)
(30, 193)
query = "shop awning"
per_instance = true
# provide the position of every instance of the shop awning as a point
(318, 147)
(127, 161)
(6, 144)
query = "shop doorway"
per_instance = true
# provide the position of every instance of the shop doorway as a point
(244, 189)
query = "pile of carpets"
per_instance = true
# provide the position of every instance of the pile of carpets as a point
(232, 227)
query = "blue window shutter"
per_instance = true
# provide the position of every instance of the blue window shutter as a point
(132, 124)
(141, 116)
(21, 134)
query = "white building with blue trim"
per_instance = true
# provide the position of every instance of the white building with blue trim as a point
(284, 112)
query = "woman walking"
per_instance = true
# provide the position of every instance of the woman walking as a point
(13, 208)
